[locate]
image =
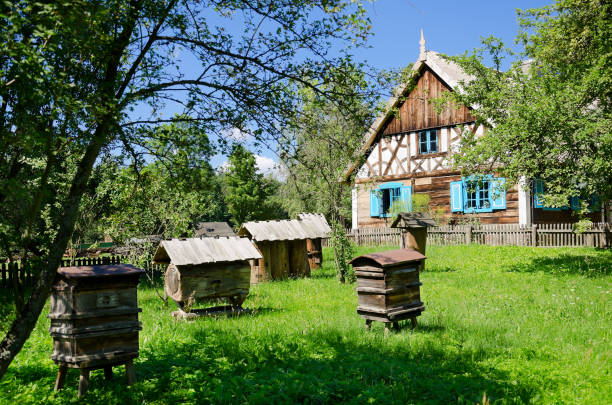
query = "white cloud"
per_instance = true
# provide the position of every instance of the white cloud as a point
(234, 133)
(265, 165)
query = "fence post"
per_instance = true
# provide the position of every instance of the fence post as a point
(534, 235)
(468, 234)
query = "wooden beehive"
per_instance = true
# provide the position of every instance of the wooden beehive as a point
(414, 229)
(388, 286)
(94, 319)
(316, 227)
(206, 282)
(204, 269)
(290, 248)
(315, 253)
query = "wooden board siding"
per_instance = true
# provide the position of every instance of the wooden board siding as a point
(281, 259)
(418, 113)
(438, 189)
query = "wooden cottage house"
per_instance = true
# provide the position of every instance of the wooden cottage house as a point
(407, 151)
(283, 247)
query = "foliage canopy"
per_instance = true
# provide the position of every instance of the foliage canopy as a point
(549, 115)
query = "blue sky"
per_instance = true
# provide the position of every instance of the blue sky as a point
(450, 26)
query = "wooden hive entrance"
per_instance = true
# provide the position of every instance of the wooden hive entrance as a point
(94, 320)
(388, 286)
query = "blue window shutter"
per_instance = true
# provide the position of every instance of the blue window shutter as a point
(456, 194)
(406, 197)
(374, 203)
(497, 193)
(538, 190)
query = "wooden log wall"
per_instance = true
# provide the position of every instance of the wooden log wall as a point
(281, 259)
(438, 189)
(541, 216)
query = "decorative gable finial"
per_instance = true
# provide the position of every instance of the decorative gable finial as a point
(422, 54)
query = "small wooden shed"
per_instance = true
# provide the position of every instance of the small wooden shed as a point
(212, 229)
(283, 247)
(317, 227)
(202, 269)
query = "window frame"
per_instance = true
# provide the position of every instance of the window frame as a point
(481, 194)
(429, 140)
(395, 193)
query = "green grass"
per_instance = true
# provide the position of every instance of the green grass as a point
(524, 325)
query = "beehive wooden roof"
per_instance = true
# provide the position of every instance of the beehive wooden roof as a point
(95, 271)
(195, 251)
(315, 225)
(413, 220)
(311, 227)
(288, 229)
(211, 229)
(391, 257)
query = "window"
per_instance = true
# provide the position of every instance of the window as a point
(539, 188)
(428, 141)
(575, 202)
(478, 194)
(387, 196)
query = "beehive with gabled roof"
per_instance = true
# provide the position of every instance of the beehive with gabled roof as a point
(202, 269)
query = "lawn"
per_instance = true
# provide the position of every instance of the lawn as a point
(523, 325)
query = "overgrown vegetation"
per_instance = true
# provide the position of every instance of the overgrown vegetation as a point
(523, 325)
(248, 194)
(82, 80)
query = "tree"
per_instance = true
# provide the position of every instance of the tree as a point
(248, 193)
(165, 196)
(81, 79)
(323, 141)
(549, 114)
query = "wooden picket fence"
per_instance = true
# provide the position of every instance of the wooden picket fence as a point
(24, 274)
(544, 235)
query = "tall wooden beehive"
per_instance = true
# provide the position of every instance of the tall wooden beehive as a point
(94, 316)
(388, 286)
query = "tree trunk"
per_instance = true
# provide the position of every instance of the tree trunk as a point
(338, 267)
(26, 319)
